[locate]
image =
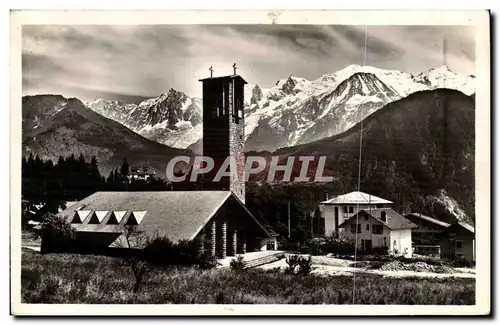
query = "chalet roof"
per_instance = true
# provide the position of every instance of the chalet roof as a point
(357, 197)
(394, 220)
(234, 76)
(175, 214)
(466, 226)
(429, 219)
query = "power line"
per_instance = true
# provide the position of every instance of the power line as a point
(359, 187)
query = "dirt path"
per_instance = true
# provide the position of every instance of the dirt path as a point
(323, 265)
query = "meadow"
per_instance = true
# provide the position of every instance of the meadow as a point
(79, 279)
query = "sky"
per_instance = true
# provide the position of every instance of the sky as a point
(132, 63)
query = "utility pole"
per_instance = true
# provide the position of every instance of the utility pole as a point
(288, 213)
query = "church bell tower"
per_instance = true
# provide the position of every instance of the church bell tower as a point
(224, 131)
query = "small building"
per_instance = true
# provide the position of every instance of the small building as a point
(380, 227)
(340, 208)
(141, 173)
(458, 241)
(426, 237)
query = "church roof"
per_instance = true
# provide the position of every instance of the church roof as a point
(233, 76)
(175, 214)
(355, 198)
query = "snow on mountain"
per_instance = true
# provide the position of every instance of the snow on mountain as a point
(293, 111)
(172, 118)
(115, 110)
(443, 77)
(297, 111)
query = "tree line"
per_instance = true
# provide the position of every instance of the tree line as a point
(73, 178)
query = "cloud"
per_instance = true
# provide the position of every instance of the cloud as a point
(149, 60)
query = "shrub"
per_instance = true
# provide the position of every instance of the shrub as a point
(297, 264)
(57, 234)
(338, 246)
(381, 250)
(162, 252)
(207, 261)
(305, 265)
(158, 251)
(463, 262)
(292, 262)
(237, 264)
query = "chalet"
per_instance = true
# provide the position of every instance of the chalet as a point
(217, 218)
(340, 208)
(458, 241)
(380, 227)
(141, 173)
(426, 237)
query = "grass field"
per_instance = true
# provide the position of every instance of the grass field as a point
(68, 278)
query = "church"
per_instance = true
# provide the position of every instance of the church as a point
(216, 215)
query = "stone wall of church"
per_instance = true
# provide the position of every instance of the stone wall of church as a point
(237, 144)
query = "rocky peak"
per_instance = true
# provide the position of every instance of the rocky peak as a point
(256, 95)
(289, 86)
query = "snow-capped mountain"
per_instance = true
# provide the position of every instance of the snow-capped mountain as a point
(443, 77)
(293, 111)
(297, 111)
(173, 118)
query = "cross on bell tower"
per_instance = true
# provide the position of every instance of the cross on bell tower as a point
(211, 71)
(234, 67)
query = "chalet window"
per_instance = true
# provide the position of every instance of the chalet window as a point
(459, 244)
(383, 216)
(351, 209)
(353, 228)
(377, 229)
(368, 227)
(345, 209)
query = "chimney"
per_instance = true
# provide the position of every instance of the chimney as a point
(326, 196)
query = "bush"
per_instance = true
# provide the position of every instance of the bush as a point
(57, 234)
(207, 261)
(338, 246)
(292, 261)
(305, 265)
(290, 246)
(161, 251)
(158, 251)
(298, 265)
(381, 250)
(237, 264)
(463, 262)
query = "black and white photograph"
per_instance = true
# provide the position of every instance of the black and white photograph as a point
(286, 159)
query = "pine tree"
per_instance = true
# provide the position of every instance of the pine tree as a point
(125, 168)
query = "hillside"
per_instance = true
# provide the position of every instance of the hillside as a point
(417, 152)
(54, 126)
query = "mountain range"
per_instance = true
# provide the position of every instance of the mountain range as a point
(418, 139)
(294, 111)
(56, 126)
(417, 152)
